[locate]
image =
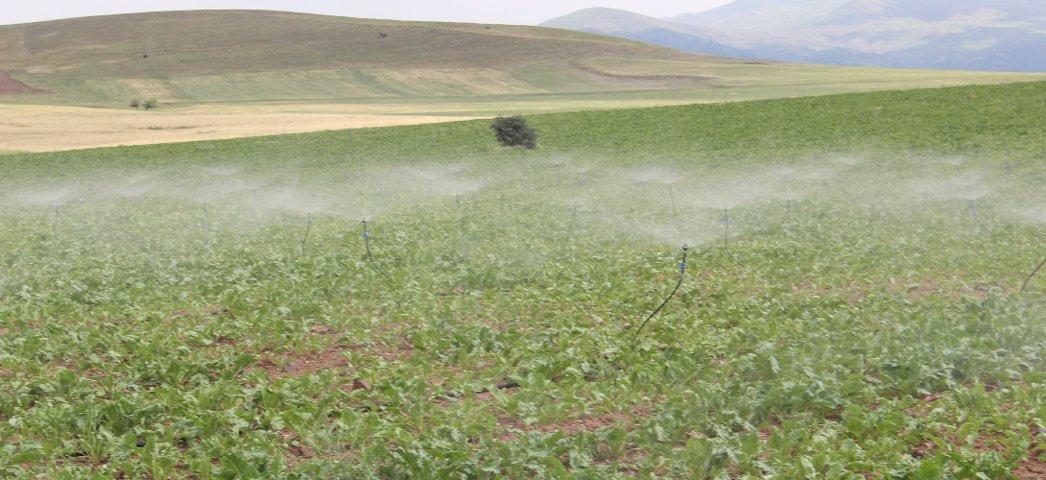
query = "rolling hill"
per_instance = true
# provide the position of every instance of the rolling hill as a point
(200, 56)
(196, 57)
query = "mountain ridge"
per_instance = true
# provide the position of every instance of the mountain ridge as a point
(1004, 35)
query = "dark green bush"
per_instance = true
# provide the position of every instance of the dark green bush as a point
(513, 131)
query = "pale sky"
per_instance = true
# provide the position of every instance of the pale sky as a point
(520, 12)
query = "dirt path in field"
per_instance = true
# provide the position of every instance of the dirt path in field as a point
(34, 128)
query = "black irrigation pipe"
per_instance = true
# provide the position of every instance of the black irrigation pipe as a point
(366, 244)
(682, 273)
(1024, 286)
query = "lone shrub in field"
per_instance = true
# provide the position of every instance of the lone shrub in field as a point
(513, 131)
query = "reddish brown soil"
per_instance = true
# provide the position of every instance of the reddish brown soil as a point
(1032, 469)
(305, 363)
(333, 357)
(10, 86)
(918, 289)
(297, 452)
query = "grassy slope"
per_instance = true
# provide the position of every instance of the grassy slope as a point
(856, 335)
(257, 56)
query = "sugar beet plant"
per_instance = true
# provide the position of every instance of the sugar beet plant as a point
(857, 330)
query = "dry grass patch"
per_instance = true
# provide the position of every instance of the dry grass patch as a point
(28, 128)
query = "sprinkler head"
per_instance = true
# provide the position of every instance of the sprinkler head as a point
(686, 247)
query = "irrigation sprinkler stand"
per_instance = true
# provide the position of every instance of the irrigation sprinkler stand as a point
(682, 272)
(1024, 286)
(972, 205)
(726, 228)
(977, 224)
(308, 227)
(57, 217)
(461, 215)
(206, 219)
(370, 258)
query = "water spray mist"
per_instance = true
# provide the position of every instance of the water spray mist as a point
(573, 217)
(1024, 286)
(370, 258)
(672, 197)
(682, 272)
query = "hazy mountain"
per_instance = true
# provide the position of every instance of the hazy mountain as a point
(754, 17)
(621, 23)
(949, 34)
(958, 34)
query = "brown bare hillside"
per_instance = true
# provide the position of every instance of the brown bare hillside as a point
(10, 86)
(195, 56)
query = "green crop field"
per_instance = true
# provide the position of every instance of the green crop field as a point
(851, 305)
